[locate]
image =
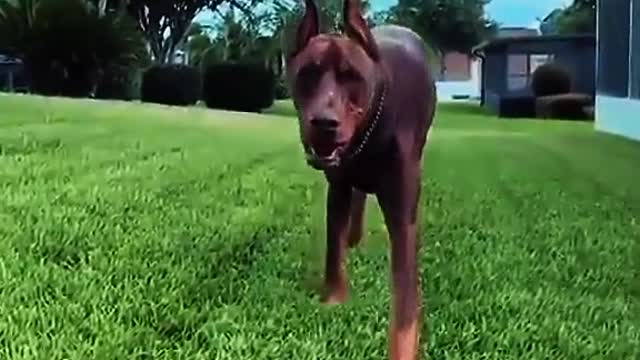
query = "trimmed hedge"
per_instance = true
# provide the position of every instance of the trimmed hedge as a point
(174, 84)
(119, 84)
(517, 107)
(550, 79)
(571, 106)
(238, 87)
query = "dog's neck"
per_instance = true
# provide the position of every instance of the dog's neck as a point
(371, 118)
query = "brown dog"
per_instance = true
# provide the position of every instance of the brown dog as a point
(365, 102)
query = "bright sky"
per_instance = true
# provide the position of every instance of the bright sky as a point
(505, 12)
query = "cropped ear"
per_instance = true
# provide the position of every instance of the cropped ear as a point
(308, 27)
(355, 27)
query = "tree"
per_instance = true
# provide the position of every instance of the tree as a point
(166, 23)
(446, 25)
(198, 41)
(579, 17)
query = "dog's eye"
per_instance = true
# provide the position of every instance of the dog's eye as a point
(308, 78)
(310, 71)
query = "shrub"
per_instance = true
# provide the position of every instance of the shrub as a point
(119, 84)
(569, 106)
(550, 79)
(66, 44)
(175, 84)
(239, 87)
(281, 90)
(517, 107)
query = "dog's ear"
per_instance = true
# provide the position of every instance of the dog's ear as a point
(355, 27)
(308, 27)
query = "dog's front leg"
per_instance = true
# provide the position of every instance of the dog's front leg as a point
(356, 218)
(337, 222)
(398, 202)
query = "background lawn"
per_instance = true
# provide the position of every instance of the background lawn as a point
(134, 231)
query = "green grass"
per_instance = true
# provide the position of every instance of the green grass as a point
(135, 231)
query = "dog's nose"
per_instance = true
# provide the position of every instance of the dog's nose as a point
(325, 124)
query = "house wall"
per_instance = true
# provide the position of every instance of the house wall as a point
(458, 67)
(620, 116)
(618, 64)
(493, 79)
(634, 87)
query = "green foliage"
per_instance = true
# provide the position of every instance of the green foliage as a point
(447, 25)
(239, 86)
(550, 79)
(577, 18)
(211, 56)
(197, 46)
(66, 45)
(171, 84)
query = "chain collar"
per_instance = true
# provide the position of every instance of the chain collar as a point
(372, 125)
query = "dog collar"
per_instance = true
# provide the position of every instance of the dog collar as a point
(372, 124)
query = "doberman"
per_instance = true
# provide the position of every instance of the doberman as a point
(366, 100)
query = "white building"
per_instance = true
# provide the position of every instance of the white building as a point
(618, 68)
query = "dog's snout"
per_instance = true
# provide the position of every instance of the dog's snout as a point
(325, 123)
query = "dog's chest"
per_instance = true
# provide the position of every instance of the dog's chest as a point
(364, 183)
(366, 174)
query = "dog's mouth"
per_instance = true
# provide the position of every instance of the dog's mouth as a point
(325, 157)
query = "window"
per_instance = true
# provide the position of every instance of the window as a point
(539, 59)
(613, 47)
(520, 67)
(517, 71)
(635, 50)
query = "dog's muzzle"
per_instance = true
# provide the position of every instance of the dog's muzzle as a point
(322, 162)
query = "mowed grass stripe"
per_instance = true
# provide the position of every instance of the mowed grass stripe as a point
(529, 226)
(161, 233)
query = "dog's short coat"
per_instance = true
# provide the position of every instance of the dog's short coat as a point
(365, 101)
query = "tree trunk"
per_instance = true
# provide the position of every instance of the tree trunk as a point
(102, 7)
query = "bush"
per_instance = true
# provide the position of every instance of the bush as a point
(119, 84)
(569, 106)
(239, 87)
(517, 107)
(550, 79)
(66, 44)
(281, 90)
(175, 84)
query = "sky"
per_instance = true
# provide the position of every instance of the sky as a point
(505, 12)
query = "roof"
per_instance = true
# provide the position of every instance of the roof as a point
(499, 43)
(510, 31)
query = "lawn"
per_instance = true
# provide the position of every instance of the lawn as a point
(135, 231)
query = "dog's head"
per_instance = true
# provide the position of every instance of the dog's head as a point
(333, 80)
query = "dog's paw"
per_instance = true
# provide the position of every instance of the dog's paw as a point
(335, 296)
(355, 238)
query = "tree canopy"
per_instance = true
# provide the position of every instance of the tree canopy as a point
(447, 25)
(579, 17)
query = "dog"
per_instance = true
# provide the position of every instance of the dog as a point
(365, 101)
